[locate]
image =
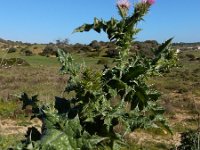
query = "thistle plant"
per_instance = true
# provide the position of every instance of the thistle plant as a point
(105, 99)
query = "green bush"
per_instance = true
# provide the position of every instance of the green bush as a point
(95, 45)
(49, 50)
(26, 52)
(190, 140)
(12, 50)
(5, 63)
(112, 53)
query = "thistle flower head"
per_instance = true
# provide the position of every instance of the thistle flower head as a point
(150, 2)
(124, 4)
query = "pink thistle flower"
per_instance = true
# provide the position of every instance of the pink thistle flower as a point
(124, 4)
(150, 2)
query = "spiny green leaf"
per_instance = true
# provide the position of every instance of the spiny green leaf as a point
(85, 27)
(133, 72)
(28, 101)
(62, 105)
(117, 84)
(163, 46)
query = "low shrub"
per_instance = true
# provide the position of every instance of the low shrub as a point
(12, 50)
(26, 52)
(190, 140)
(112, 53)
(49, 50)
(6, 63)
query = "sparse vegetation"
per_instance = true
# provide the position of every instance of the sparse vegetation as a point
(117, 100)
(103, 61)
(38, 75)
(179, 105)
(7, 63)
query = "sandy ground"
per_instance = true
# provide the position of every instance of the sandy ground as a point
(10, 127)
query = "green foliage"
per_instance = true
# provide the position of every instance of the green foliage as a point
(12, 50)
(8, 141)
(6, 63)
(49, 50)
(190, 141)
(6, 108)
(103, 100)
(26, 52)
(95, 45)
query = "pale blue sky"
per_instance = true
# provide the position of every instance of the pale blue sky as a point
(45, 21)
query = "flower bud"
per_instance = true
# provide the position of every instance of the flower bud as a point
(150, 2)
(123, 4)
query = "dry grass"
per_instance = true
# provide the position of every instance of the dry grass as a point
(40, 81)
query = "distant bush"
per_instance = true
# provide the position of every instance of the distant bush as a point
(95, 45)
(26, 52)
(12, 50)
(6, 63)
(77, 46)
(112, 53)
(145, 47)
(49, 50)
(35, 47)
(85, 48)
(65, 48)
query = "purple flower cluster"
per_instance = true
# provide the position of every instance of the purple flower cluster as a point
(124, 4)
(148, 1)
